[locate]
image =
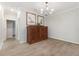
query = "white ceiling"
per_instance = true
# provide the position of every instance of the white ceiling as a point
(58, 6)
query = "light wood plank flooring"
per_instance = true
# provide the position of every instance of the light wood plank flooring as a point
(50, 47)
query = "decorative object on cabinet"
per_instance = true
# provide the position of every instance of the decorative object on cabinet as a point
(36, 33)
(40, 20)
(31, 18)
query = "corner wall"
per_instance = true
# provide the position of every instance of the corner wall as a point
(64, 26)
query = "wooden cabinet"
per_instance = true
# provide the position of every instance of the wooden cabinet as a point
(36, 33)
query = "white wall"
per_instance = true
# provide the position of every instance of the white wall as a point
(21, 27)
(2, 28)
(64, 26)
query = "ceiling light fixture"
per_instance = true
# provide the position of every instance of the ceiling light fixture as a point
(46, 10)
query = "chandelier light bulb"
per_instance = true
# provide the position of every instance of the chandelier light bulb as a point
(12, 9)
(47, 8)
(41, 12)
(52, 9)
(41, 9)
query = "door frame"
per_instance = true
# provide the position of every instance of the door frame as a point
(7, 29)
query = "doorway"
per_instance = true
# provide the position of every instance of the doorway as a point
(11, 29)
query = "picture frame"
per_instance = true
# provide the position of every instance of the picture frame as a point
(30, 18)
(40, 20)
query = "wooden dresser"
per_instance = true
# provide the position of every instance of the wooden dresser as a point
(36, 33)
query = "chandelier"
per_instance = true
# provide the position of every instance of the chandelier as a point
(46, 11)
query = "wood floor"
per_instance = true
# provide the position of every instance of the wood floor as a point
(50, 47)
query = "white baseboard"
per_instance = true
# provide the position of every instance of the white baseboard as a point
(22, 42)
(1, 45)
(58, 38)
